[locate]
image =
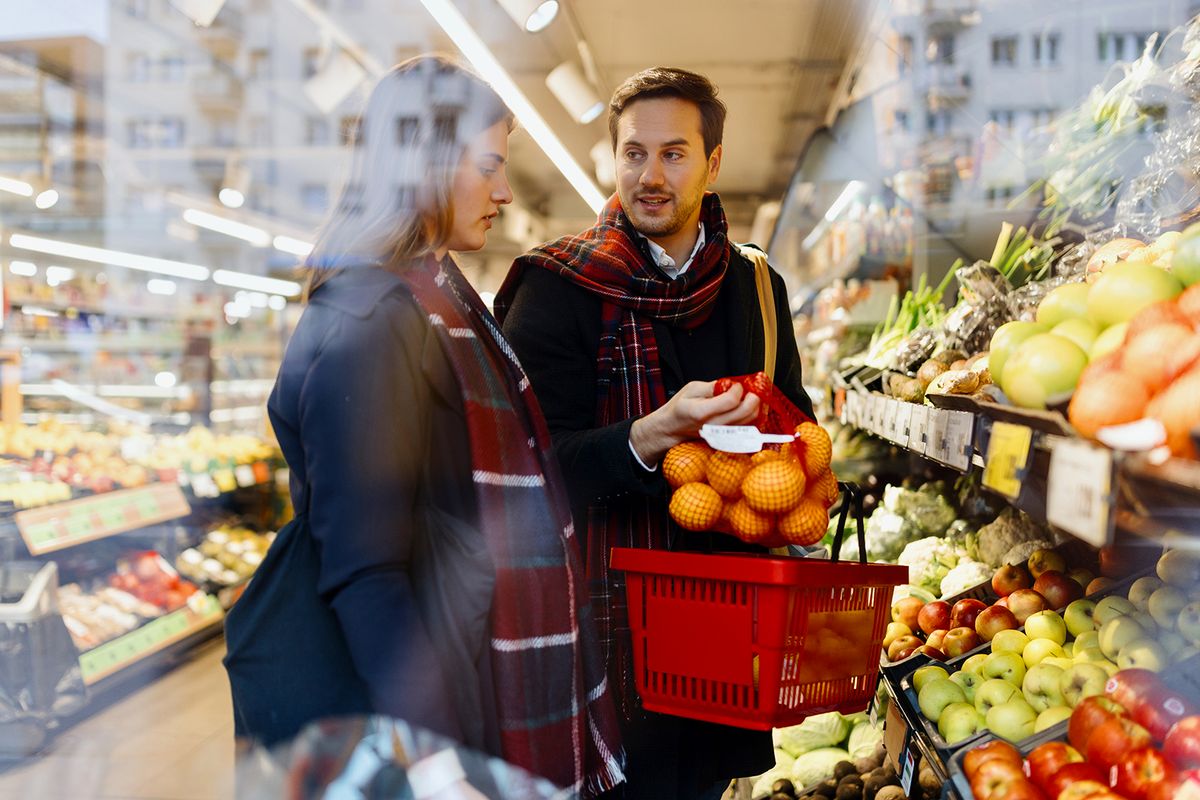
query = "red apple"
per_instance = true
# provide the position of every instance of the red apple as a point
(1047, 759)
(1073, 773)
(1043, 560)
(1113, 738)
(1098, 585)
(958, 641)
(1087, 716)
(1024, 789)
(935, 639)
(1081, 789)
(902, 643)
(934, 616)
(906, 652)
(1002, 602)
(997, 748)
(1024, 603)
(1058, 588)
(1161, 711)
(993, 620)
(1181, 785)
(1009, 578)
(1182, 744)
(992, 775)
(933, 652)
(906, 610)
(965, 611)
(1138, 770)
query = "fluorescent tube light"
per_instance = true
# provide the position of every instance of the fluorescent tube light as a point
(26, 269)
(276, 302)
(162, 287)
(238, 230)
(296, 247)
(255, 283)
(46, 199)
(100, 255)
(481, 57)
(16, 187)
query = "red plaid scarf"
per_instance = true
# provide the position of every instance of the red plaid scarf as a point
(556, 714)
(607, 260)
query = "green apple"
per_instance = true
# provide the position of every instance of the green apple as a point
(1082, 680)
(1051, 717)
(1061, 663)
(1140, 591)
(937, 694)
(1069, 649)
(1009, 641)
(1078, 617)
(1109, 339)
(927, 673)
(958, 721)
(1037, 649)
(1189, 622)
(1046, 625)
(994, 692)
(968, 682)
(1179, 568)
(1165, 604)
(1171, 642)
(1087, 639)
(1118, 632)
(1109, 667)
(1147, 622)
(1089, 655)
(894, 631)
(1006, 666)
(1041, 686)
(1111, 607)
(1142, 654)
(974, 663)
(1013, 720)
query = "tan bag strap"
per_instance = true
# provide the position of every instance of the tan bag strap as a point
(766, 304)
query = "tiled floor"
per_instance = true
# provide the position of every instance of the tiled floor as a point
(170, 740)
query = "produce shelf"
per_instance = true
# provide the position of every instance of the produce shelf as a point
(55, 527)
(1031, 459)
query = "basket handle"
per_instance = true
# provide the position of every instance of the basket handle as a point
(850, 494)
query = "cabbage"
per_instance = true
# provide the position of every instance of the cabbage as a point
(783, 758)
(817, 765)
(864, 738)
(822, 730)
(762, 786)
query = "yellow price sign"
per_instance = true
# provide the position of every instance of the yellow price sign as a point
(1007, 457)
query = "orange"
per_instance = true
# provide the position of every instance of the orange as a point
(818, 449)
(824, 489)
(696, 506)
(747, 524)
(685, 463)
(774, 487)
(726, 471)
(806, 524)
(763, 456)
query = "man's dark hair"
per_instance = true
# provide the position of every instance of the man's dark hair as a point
(671, 82)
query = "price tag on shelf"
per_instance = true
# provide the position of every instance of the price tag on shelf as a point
(225, 479)
(960, 433)
(904, 424)
(1007, 458)
(245, 475)
(67, 524)
(879, 403)
(156, 634)
(891, 411)
(918, 429)
(1079, 490)
(204, 485)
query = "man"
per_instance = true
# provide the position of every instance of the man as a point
(623, 330)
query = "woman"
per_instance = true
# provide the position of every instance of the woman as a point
(447, 581)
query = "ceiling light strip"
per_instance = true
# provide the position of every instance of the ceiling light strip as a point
(256, 283)
(117, 258)
(481, 57)
(238, 230)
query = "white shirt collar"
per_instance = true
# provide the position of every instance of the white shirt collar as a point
(667, 264)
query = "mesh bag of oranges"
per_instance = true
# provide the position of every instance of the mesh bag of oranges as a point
(778, 496)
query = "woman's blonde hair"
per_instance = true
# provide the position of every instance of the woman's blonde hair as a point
(396, 205)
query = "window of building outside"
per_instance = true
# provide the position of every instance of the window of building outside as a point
(1111, 47)
(224, 132)
(900, 120)
(139, 133)
(138, 8)
(260, 131)
(172, 69)
(259, 63)
(139, 67)
(940, 49)
(347, 130)
(311, 61)
(406, 130)
(314, 198)
(1045, 49)
(171, 132)
(1041, 117)
(937, 123)
(1004, 51)
(316, 131)
(1006, 118)
(904, 55)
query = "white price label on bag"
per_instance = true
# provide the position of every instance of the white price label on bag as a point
(1079, 490)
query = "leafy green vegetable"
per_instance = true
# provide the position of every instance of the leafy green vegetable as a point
(817, 765)
(822, 730)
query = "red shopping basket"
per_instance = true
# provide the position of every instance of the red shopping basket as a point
(756, 641)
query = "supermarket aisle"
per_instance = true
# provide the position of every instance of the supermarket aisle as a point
(172, 740)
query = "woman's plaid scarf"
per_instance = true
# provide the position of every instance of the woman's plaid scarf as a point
(607, 261)
(556, 714)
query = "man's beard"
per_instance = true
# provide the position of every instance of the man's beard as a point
(668, 226)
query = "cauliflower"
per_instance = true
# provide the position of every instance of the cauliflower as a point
(926, 508)
(1009, 529)
(966, 574)
(888, 533)
(929, 560)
